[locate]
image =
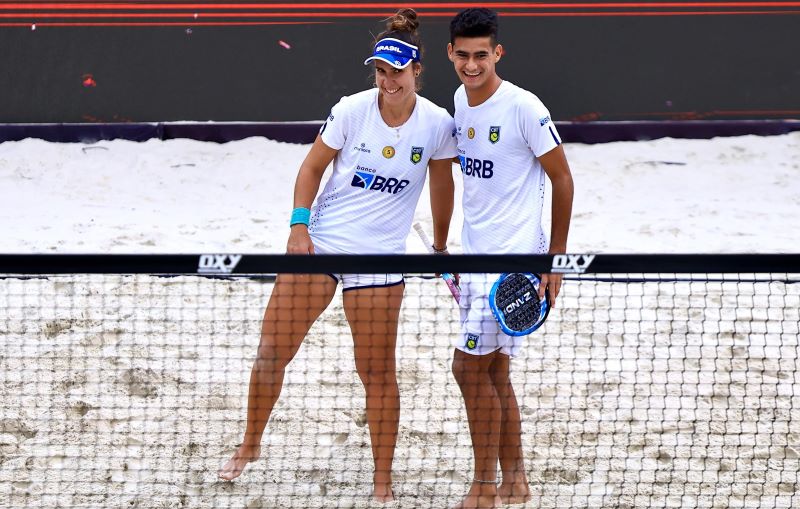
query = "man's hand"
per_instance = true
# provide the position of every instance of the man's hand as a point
(551, 283)
(444, 251)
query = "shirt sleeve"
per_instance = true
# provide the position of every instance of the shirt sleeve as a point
(446, 139)
(334, 131)
(538, 128)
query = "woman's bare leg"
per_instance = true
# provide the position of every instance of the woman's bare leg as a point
(373, 315)
(297, 301)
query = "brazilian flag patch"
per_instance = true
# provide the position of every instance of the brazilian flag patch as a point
(416, 154)
(494, 133)
(472, 341)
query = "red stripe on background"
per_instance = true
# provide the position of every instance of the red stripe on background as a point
(165, 24)
(193, 22)
(160, 15)
(393, 7)
(656, 13)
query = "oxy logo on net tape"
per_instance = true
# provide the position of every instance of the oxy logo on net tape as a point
(217, 263)
(571, 263)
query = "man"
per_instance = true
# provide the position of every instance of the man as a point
(507, 143)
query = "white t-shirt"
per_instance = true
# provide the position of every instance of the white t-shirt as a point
(368, 203)
(498, 143)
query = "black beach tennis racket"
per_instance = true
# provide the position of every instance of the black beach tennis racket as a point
(515, 303)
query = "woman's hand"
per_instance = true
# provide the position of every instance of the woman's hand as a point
(299, 241)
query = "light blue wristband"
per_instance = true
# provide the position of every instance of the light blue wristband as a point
(300, 215)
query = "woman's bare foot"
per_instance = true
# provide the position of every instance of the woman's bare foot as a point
(514, 492)
(234, 467)
(382, 493)
(382, 487)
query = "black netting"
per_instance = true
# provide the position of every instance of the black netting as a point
(640, 390)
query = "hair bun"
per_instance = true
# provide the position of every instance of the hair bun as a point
(404, 21)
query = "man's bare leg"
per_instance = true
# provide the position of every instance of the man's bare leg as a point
(483, 413)
(297, 301)
(514, 489)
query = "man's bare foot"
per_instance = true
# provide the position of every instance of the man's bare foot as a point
(480, 496)
(514, 493)
(234, 467)
(479, 502)
(382, 493)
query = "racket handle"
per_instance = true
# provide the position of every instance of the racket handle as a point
(451, 284)
(448, 277)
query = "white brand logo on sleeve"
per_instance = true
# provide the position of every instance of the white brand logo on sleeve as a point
(568, 263)
(217, 263)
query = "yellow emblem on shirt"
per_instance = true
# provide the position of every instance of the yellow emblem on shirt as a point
(494, 133)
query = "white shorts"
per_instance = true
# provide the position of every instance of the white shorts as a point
(480, 332)
(362, 281)
(359, 281)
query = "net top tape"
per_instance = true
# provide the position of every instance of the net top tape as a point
(253, 264)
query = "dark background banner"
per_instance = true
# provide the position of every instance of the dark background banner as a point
(270, 61)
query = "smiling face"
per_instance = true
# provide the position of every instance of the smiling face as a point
(474, 59)
(396, 85)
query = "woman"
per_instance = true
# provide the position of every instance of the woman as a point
(380, 141)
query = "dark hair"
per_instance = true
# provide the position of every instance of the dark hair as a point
(474, 22)
(403, 25)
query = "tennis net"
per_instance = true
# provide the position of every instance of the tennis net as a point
(657, 381)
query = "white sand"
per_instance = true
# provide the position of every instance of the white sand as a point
(738, 194)
(130, 391)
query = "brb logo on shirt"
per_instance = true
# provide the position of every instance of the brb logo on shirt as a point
(366, 178)
(481, 168)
